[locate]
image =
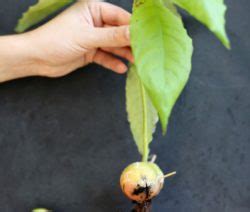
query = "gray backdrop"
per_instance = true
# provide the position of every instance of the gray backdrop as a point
(64, 142)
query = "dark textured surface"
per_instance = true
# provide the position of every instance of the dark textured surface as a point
(64, 142)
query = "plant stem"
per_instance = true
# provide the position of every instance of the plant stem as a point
(143, 207)
(145, 125)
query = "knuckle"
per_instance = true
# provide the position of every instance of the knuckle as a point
(120, 34)
(116, 34)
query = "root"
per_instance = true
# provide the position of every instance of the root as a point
(169, 175)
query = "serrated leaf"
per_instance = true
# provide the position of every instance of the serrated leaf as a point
(209, 12)
(141, 113)
(38, 12)
(162, 51)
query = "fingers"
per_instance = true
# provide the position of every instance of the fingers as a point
(124, 52)
(110, 14)
(108, 61)
(110, 37)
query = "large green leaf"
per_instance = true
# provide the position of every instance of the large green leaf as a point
(141, 113)
(209, 12)
(38, 12)
(162, 51)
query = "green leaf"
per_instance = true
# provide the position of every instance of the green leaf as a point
(38, 12)
(162, 51)
(209, 12)
(41, 210)
(169, 4)
(141, 113)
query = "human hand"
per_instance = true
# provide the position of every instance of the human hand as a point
(86, 32)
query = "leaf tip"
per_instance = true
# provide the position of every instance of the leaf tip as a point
(226, 42)
(227, 45)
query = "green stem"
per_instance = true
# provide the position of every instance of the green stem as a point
(145, 121)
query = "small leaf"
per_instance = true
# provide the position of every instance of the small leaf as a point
(41, 210)
(162, 51)
(38, 12)
(209, 12)
(141, 113)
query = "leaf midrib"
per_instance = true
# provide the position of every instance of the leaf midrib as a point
(145, 121)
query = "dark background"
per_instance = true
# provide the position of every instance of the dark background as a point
(64, 142)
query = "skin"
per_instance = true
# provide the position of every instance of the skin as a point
(92, 32)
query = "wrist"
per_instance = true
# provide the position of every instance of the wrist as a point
(17, 57)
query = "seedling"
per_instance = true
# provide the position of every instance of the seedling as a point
(163, 51)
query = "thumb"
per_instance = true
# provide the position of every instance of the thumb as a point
(111, 37)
